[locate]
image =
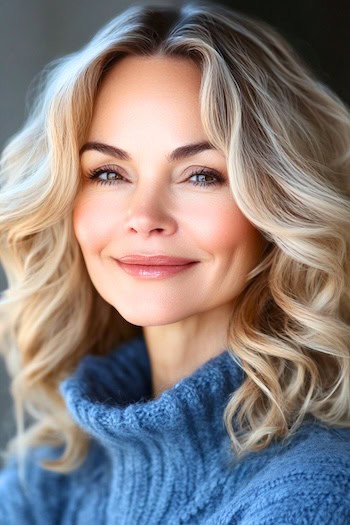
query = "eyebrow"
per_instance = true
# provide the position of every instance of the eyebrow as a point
(179, 153)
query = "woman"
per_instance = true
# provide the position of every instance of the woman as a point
(175, 219)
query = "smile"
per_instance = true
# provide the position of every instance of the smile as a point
(152, 271)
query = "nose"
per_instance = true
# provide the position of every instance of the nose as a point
(148, 212)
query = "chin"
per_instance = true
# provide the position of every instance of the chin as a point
(147, 318)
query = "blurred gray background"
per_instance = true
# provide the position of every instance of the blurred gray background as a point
(34, 32)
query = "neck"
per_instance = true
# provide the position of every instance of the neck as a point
(176, 350)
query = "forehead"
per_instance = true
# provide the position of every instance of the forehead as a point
(148, 91)
(162, 71)
(143, 80)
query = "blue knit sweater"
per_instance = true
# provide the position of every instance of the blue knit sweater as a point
(168, 460)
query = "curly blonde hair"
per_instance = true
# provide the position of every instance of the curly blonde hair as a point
(286, 137)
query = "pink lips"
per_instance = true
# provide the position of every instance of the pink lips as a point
(155, 266)
(154, 260)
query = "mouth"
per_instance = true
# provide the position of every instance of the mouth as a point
(154, 271)
(155, 260)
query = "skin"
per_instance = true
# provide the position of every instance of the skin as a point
(149, 106)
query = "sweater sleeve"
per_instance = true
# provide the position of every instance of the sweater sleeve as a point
(300, 499)
(36, 501)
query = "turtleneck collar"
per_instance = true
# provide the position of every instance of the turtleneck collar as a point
(110, 398)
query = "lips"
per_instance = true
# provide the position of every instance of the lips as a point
(154, 266)
(155, 260)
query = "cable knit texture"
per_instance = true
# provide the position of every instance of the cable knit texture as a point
(168, 460)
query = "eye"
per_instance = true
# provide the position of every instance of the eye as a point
(109, 175)
(105, 175)
(203, 173)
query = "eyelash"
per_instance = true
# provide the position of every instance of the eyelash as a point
(94, 174)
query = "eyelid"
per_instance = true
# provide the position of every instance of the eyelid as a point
(115, 167)
(111, 167)
(219, 179)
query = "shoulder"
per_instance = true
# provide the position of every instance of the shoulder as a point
(314, 449)
(23, 499)
(43, 494)
(304, 481)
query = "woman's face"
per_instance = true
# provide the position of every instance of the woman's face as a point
(144, 202)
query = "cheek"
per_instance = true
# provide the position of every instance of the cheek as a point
(91, 228)
(221, 227)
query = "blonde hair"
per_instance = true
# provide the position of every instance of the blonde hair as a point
(286, 137)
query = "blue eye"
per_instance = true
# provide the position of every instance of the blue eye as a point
(109, 175)
(216, 178)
